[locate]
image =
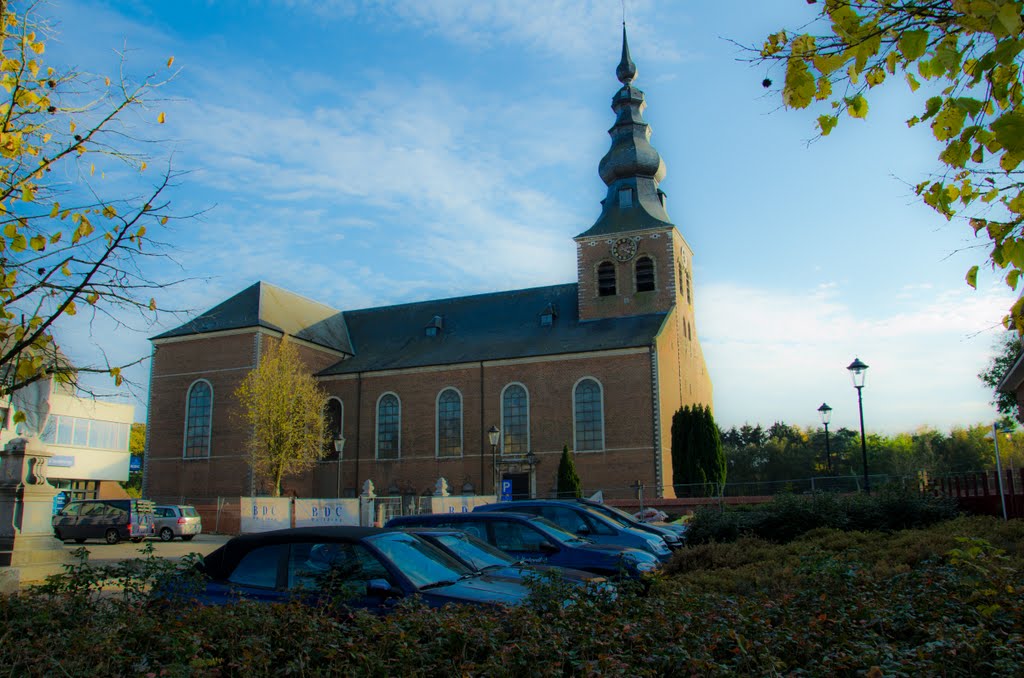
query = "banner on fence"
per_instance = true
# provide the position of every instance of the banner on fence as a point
(260, 514)
(459, 504)
(314, 512)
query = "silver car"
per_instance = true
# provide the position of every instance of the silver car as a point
(177, 521)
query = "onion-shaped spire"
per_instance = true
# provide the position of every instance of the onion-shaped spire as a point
(631, 168)
(626, 70)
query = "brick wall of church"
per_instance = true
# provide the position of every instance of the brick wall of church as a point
(223, 361)
(592, 252)
(628, 411)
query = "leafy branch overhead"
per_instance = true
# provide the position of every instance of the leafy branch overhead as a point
(963, 59)
(69, 242)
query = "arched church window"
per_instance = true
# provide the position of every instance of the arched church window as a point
(198, 419)
(515, 420)
(449, 423)
(588, 415)
(389, 423)
(644, 274)
(606, 279)
(333, 411)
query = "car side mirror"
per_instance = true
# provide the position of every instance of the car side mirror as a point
(381, 588)
(582, 529)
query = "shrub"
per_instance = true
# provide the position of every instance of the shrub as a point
(788, 516)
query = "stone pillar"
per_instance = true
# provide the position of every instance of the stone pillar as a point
(28, 549)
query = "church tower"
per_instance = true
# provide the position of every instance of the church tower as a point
(633, 261)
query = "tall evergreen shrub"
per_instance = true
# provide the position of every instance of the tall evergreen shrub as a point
(697, 455)
(569, 486)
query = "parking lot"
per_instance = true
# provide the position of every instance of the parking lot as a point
(101, 553)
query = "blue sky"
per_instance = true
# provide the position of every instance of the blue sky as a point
(365, 152)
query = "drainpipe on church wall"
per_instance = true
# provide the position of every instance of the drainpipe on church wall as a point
(359, 424)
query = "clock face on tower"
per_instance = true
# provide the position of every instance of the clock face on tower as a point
(624, 249)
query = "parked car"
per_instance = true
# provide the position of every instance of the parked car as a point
(537, 540)
(368, 568)
(585, 522)
(483, 557)
(177, 521)
(109, 519)
(673, 538)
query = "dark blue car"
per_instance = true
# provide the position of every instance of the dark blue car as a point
(361, 567)
(481, 556)
(586, 522)
(535, 539)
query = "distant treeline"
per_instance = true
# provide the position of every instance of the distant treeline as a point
(784, 452)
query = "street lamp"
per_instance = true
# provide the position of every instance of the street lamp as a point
(493, 435)
(996, 430)
(858, 371)
(339, 447)
(826, 415)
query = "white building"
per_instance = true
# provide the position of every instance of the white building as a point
(88, 438)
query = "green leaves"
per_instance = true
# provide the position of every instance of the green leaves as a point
(857, 107)
(972, 277)
(912, 44)
(799, 88)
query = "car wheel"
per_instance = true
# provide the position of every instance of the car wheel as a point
(112, 536)
(166, 534)
(79, 540)
(187, 537)
(56, 534)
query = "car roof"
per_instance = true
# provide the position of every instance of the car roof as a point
(221, 562)
(466, 517)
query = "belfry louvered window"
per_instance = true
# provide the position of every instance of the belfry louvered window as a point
(606, 279)
(644, 274)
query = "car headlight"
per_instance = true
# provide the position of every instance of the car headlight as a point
(637, 562)
(658, 547)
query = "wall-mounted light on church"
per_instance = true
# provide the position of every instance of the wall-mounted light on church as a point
(858, 372)
(493, 435)
(826, 416)
(531, 458)
(339, 447)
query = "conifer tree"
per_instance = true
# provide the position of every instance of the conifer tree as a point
(569, 486)
(697, 456)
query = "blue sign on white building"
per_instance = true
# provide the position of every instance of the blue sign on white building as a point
(60, 500)
(135, 465)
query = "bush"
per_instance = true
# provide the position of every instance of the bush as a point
(942, 601)
(788, 516)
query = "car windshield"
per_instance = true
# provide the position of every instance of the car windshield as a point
(477, 553)
(422, 563)
(613, 512)
(556, 531)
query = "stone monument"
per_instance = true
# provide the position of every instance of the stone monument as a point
(28, 549)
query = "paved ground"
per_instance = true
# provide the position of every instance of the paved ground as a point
(102, 553)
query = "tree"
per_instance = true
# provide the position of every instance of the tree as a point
(68, 241)
(697, 456)
(137, 448)
(569, 486)
(284, 406)
(963, 60)
(1008, 349)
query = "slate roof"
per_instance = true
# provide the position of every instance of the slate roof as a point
(275, 308)
(470, 329)
(484, 327)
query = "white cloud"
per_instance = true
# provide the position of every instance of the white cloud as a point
(777, 354)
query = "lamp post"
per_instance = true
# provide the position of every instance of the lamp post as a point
(826, 415)
(999, 464)
(858, 371)
(493, 435)
(339, 447)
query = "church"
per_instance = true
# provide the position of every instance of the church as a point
(418, 391)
